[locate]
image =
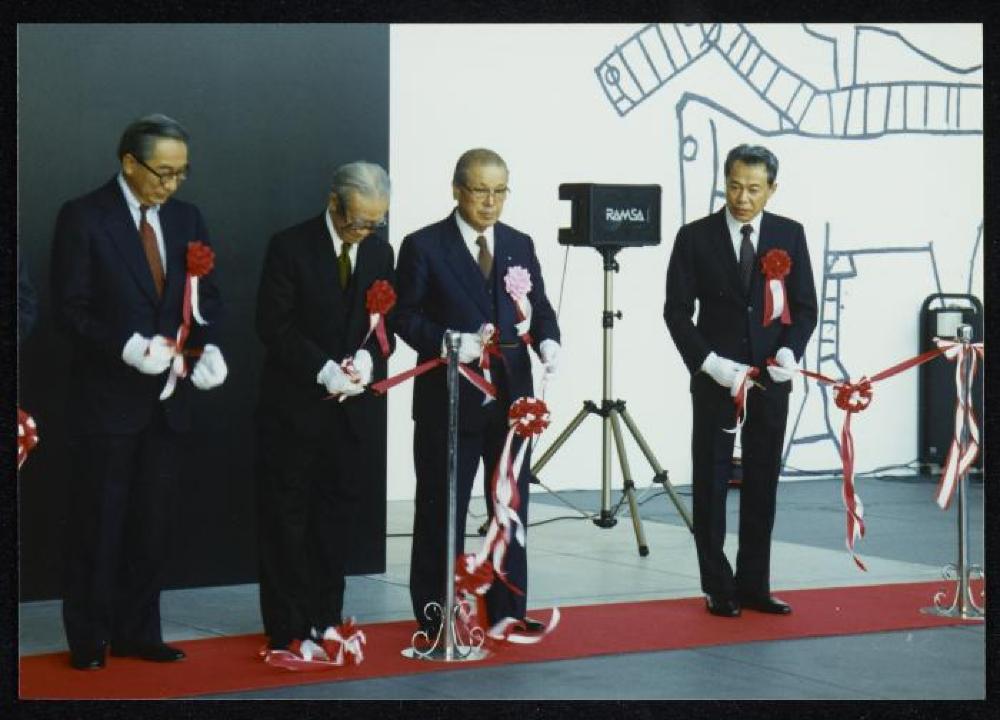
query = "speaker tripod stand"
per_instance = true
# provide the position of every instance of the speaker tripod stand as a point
(613, 413)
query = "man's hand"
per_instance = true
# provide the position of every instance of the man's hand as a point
(723, 370)
(333, 378)
(549, 351)
(210, 371)
(525, 325)
(786, 368)
(363, 366)
(148, 356)
(470, 347)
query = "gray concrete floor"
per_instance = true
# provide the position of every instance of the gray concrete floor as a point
(573, 562)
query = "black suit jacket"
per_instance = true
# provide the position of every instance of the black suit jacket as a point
(305, 319)
(441, 287)
(703, 267)
(102, 292)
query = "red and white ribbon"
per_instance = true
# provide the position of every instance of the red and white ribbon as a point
(379, 300)
(200, 261)
(776, 264)
(27, 436)
(340, 646)
(344, 645)
(480, 383)
(961, 454)
(741, 388)
(517, 282)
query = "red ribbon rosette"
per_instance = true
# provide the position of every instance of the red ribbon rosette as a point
(776, 264)
(200, 261)
(379, 300)
(27, 436)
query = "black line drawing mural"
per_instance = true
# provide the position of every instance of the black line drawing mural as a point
(839, 98)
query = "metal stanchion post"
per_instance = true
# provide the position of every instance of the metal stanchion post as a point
(964, 604)
(452, 642)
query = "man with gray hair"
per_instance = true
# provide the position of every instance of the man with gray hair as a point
(316, 454)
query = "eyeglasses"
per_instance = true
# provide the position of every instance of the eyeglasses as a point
(165, 177)
(362, 225)
(482, 193)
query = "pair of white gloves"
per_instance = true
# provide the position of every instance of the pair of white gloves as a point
(348, 378)
(470, 348)
(152, 356)
(726, 372)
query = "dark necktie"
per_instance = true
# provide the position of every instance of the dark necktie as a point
(151, 249)
(746, 257)
(485, 258)
(344, 263)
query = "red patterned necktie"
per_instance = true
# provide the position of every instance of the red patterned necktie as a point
(151, 249)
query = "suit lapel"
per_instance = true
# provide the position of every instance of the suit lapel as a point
(323, 256)
(502, 261)
(176, 262)
(723, 250)
(765, 242)
(361, 279)
(465, 269)
(121, 227)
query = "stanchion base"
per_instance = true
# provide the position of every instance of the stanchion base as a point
(605, 520)
(463, 653)
(970, 614)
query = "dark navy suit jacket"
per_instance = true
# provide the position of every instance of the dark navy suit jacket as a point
(102, 292)
(441, 287)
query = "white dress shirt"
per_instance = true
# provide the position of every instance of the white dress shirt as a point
(469, 234)
(352, 248)
(152, 217)
(737, 237)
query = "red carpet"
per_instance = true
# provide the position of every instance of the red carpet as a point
(219, 665)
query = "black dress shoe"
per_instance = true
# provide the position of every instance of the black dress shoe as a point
(87, 661)
(533, 626)
(154, 653)
(722, 606)
(767, 604)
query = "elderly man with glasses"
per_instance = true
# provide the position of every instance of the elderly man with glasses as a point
(321, 437)
(119, 267)
(451, 276)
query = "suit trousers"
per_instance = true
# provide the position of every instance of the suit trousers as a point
(308, 495)
(761, 442)
(122, 508)
(427, 560)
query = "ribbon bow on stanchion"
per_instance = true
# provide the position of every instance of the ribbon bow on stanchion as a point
(960, 455)
(517, 282)
(475, 574)
(27, 436)
(200, 261)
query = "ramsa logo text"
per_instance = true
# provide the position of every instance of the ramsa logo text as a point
(620, 214)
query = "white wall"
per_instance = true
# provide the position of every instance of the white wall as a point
(531, 93)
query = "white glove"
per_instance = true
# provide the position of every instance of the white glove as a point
(358, 372)
(723, 370)
(549, 351)
(150, 357)
(363, 366)
(525, 325)
(333, 378)
(210, 371)
(786, 368)
(470, 347)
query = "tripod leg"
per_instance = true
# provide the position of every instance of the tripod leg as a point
(558, 442)
(640, 536)
(661, 474)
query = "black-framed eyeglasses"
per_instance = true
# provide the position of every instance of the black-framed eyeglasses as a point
(361, 225)
(165, 177)
(482, 193)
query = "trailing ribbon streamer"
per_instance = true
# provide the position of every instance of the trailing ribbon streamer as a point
(517, 282)
(961, 454)
(739, 393)
(27, 436)
(475, 574)
(776, 264)
(853, 398)
(200, 261)
(379, 300)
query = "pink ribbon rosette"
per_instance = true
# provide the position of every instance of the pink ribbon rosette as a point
(517, 282)
(379, 300)
(475, 574)
(27, 436)
(200, 261)
(776, 264)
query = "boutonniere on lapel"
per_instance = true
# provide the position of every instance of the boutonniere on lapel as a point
(379, 300)
(776, 264)
(200, 261)
(517, 281)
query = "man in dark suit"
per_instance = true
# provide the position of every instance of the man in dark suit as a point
(715, 261)
(317, 455)
(451, 276)
(118, 275)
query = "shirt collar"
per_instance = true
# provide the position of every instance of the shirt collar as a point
(735, 225)
(338, 241)
(133, 202)
(469, 234)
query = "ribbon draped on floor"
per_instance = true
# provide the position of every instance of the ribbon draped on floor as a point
(855, 397)
(200, 261)
(339, 646)
(475, 573)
